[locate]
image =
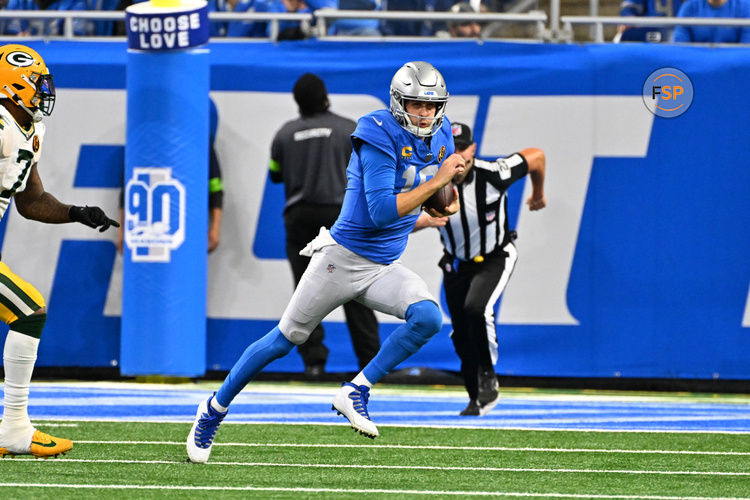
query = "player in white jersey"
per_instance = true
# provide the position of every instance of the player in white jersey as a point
(26, 95)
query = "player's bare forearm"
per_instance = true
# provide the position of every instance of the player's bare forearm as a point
(428, 220)
(214, 219)
(214, 228)
(36, 204)
(537, 163)
(410, 200)
(537, 182)
(44, 208)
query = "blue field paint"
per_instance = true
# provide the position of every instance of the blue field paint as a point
(299, 405)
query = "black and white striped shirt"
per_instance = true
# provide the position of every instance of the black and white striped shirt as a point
(481, 225)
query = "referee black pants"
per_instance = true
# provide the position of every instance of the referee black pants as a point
(471, 291)
(302, 222)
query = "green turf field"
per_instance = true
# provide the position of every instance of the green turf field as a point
(148, 460)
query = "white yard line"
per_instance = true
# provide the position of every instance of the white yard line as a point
(553, 419)
(186, 420)
(56, 424)
(408, 391)
(342, 490)
(373, 491)
(390, 467)
(436, 447)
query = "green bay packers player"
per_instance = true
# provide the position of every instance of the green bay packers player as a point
(26, 95)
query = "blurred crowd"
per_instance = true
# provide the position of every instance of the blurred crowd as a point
(288, 30)
(685, 8)
(295, 30)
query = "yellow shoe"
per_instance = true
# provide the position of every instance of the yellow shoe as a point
(4, 452)
(45, 446)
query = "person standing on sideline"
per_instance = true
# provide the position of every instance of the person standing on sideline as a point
(309, 155)
(400, 158)
(480, 256)
(27, 94)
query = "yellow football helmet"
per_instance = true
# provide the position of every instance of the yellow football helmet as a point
(25, 79)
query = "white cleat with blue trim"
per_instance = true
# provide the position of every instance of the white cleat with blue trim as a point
(351, 402)
(201, 437)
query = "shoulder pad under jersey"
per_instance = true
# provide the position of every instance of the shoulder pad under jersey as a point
(376, 128)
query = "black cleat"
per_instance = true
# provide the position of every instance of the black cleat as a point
(471, 410)
(488, 387)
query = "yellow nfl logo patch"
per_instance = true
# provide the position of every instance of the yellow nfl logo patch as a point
(35, 143)
(441, 154)
(406, 152)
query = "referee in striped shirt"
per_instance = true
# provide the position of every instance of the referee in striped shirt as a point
(480, 256)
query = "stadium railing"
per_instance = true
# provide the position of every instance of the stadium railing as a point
(599, 21)
(324, 17)
(68, 17)
(274, 18)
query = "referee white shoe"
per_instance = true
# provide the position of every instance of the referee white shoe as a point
(351, 402)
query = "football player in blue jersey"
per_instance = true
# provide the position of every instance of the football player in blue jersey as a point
(400, 158)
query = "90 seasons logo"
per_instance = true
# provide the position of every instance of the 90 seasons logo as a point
(154, 214)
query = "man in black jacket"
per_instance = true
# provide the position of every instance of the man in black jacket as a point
(309, 155)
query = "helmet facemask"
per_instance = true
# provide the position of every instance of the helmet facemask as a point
(404, 117)
(44, 98)
(418, 81)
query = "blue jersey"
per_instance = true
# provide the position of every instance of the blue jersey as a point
(407, 161)
(651, 8)
(356, 26)
(103, 28)
(713, 34)
(658, 8)
(45, 27)
(261, 29)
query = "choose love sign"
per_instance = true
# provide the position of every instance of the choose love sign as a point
(163, 25)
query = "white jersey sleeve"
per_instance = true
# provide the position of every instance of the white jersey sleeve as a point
(19, 151)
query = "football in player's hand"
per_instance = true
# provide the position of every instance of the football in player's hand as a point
(441, 199)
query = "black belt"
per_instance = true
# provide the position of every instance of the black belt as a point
(449, 263)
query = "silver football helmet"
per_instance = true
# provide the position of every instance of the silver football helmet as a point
(418, 81)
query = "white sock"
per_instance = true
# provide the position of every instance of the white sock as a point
(216, 406)
(19, 356)
(360, 379)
